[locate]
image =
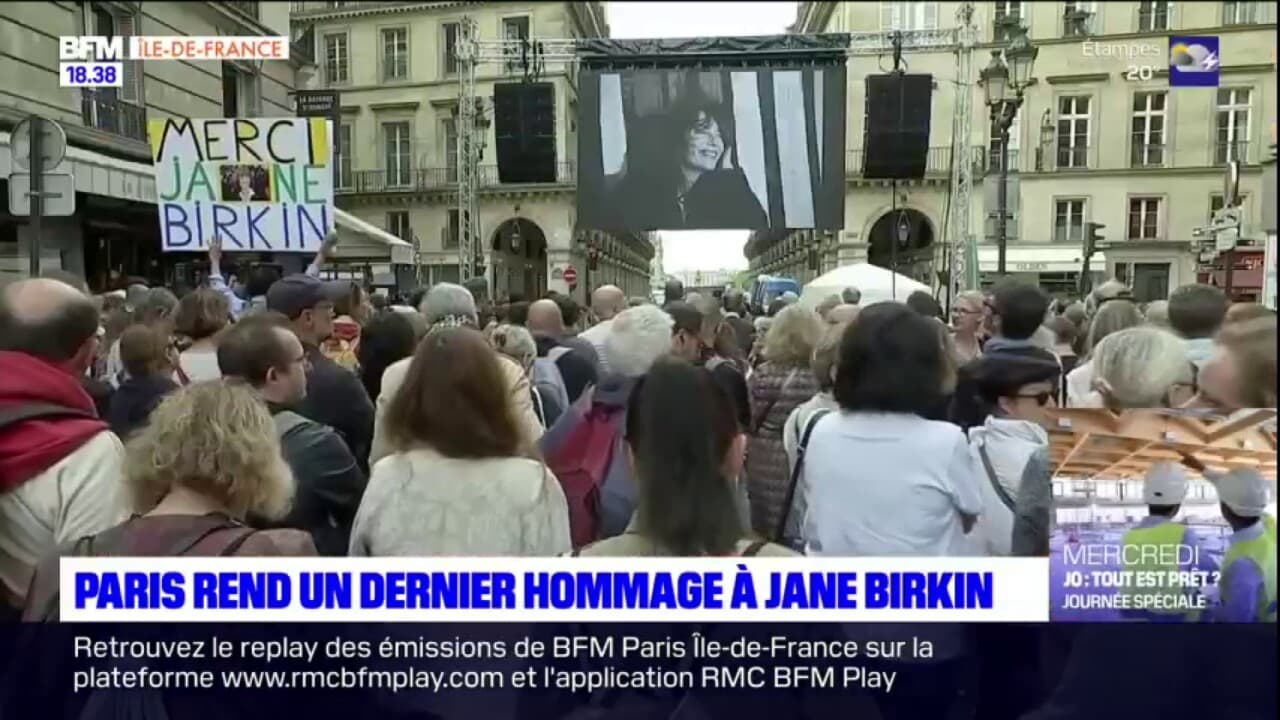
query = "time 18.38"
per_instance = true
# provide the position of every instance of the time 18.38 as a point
(91, 75)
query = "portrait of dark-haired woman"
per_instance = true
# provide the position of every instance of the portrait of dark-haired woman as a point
(685, 177)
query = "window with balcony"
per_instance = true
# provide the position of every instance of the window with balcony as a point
(1068, 220)
(1144, 218)
(451, 231)
(1073, 131)
(1147, 149)
(1078, 18)
(119, 110)
(342, 155)
(395, 53)
(993, 155)
(1232, 124)
(515, 29)
(337, 59)
(908, 16)
(241, 92)
(397, 153)
(248, 8)
(1008, 16)
(450, 48)
(398, 225)
(1153, 16)
(1240, 13)
(449, 149)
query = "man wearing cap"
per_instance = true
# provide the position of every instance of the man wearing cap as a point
(1247, 587)
(1157, 539)
(335, 396)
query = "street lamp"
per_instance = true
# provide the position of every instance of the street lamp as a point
(1003, 80)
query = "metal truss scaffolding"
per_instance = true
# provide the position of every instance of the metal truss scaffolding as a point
(532, 56)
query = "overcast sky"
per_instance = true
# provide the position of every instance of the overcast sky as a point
(700, 250)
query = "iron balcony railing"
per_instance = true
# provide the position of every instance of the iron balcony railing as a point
(103, 109)
(937, 161)
(248, 8)
(1147, 155)
(437, 178)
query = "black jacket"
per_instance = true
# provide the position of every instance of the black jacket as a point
(134, 400)
(330, 484)
(728, 377)
(720, 199)
(577, 371)
(337, 398)
(745, 330)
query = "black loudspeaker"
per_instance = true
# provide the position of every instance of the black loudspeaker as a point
(524, 124)
(896, 142)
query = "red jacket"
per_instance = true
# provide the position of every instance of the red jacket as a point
(29, 447)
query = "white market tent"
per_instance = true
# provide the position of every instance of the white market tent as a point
(876, 284)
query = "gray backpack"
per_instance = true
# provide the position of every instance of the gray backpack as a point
(546, 377)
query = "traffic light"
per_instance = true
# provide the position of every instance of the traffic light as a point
(1092, 238)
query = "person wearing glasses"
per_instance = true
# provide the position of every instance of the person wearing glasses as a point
(1019, 393)
(263, 351)
(967, 315)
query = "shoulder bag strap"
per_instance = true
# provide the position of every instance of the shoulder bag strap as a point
(183, 379)
(753, 549)
(994, 479)
(795, 471)
(233, 547)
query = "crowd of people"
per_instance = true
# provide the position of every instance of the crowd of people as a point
(297, 416)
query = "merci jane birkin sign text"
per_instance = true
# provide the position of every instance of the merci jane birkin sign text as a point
(262, 185)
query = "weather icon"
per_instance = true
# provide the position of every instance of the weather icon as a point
(1192, 58)
(1194, 61)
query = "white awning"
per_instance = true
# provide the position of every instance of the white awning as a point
(95, 173)
(1052, 259)
(348, 224)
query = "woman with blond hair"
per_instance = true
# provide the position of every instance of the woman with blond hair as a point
(518, 344)
(1112, 314)
(208, 459)
(1142, 367)
(776, 389)
(1241, 373)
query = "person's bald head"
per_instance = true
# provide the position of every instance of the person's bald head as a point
(841, 314)
(50, 320)
(545, 318)
(607, 301)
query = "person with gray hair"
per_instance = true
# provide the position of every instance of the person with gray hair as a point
(1142, 367)
(638, 337)
(1117, 314)
(1108, 290)
(827, 304)
(450, 305)
(518, 343)
(851, 296)
(1157, 314)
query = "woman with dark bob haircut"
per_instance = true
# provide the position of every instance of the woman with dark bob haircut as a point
(458, 481)
(880, 480)
(685, 450)
(692, 180)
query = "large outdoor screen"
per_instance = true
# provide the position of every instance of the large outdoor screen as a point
(723, 148)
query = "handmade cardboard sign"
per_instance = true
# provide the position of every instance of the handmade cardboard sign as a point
(262, 184)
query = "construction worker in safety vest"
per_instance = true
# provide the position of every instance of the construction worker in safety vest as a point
(1247, 588)
(1158, 547)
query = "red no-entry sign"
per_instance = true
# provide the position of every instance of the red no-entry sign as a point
(571, 275)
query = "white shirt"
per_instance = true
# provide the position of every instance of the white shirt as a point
(890, 485)
(1009, 444)
(596, 335)
(199, 365)
(421, 503)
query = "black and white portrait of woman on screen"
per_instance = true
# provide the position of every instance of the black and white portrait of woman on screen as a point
(731, 149)
(691, 181)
